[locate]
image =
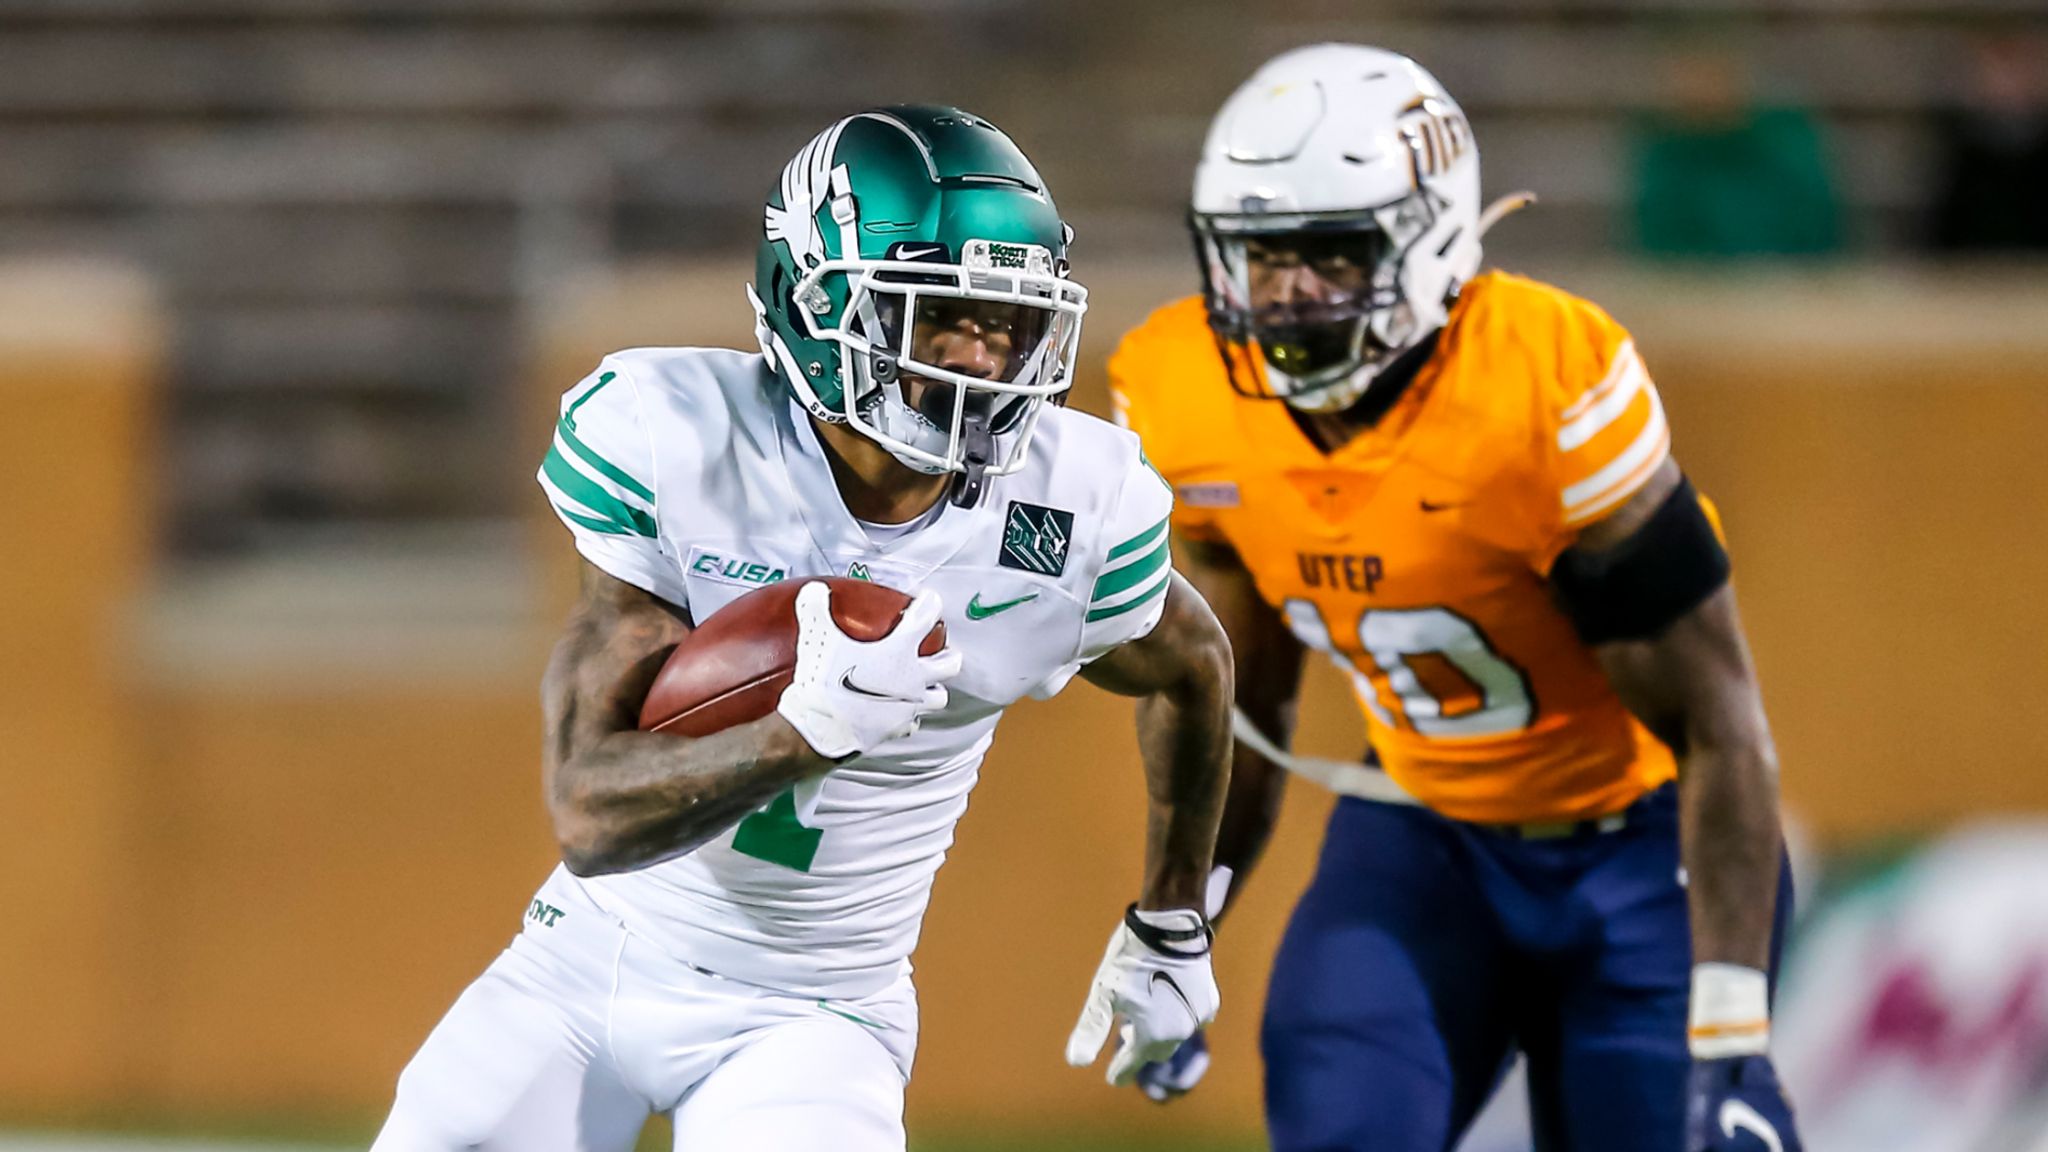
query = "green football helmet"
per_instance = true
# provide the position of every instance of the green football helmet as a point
(898, 223)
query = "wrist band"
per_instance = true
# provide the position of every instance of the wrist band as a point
(1217, 893)
(1731, 1012)
(1170, 931)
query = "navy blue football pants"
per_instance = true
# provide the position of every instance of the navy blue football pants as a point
(1426, 951)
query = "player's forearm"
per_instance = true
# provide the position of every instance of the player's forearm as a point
(1266, 670)
(1249, 813)
(630, 799)
(1693, 684)
(1732, 849)
(1184, 735)
(1252, 805)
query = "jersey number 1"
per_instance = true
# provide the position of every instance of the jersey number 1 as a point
(1444, 674)
(775, 834)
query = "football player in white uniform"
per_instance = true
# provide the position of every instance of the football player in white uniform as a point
(728, 937)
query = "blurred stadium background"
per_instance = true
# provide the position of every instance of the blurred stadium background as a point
(288, 287)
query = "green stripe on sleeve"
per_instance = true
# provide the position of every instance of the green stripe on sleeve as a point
(604, 467)
(1141, 598)
(592, 523)
(1133, 574)
(569, 417)
(1137, 542)
(582, 489)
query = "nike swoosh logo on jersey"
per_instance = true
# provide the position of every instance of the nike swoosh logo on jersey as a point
(846, 682)
(908, 252)
(976, 610)
(1157, 977)
(1735, 1114)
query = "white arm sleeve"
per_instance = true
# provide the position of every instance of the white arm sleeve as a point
(1129, 592)
(599, 477)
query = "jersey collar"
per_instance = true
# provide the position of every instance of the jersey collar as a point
(835, 530)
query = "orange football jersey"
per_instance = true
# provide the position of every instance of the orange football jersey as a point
(1416, 556)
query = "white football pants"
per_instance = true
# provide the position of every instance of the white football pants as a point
(579, 1030)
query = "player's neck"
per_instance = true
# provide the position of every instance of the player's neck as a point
(875, 486)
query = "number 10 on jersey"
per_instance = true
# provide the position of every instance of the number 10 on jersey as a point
(1444, 676)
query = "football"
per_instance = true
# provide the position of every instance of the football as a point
(733, 667)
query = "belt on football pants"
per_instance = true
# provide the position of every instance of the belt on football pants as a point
(1559, 829)
(1575, 829)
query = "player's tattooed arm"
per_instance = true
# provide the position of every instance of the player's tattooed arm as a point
(621, 798)
(1692, 683)
(1267, 663)
(1180, 671)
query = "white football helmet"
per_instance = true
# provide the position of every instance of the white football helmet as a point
(1349, 150)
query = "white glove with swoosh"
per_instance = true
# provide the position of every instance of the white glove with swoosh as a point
(1156, 976)
(848, 696)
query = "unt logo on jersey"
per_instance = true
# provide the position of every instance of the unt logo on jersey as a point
(750, 573)
(1035, 538)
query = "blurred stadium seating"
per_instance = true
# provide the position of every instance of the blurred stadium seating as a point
(347, 201)
(287, 288)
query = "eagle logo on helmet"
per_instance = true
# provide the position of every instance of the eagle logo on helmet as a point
(806, 185)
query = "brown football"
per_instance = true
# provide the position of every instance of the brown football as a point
(733, 667)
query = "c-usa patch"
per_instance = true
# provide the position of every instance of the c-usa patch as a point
(1035, 538)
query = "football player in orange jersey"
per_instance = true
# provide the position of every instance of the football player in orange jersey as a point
(1459, 487)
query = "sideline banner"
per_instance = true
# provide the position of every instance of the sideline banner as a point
(1913, 1015)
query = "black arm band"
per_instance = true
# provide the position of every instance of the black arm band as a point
(1639, 587)
(1168, 941)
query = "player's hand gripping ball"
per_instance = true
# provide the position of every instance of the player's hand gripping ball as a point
(848, 663)
(1736, 1105)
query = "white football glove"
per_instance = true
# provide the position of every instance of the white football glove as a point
(1155, 976)
(848, 695)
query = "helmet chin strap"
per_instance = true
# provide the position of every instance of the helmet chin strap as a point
(977, 443)
(1346, 390)
(1334, 397)
(935, 409)
(1372, 389)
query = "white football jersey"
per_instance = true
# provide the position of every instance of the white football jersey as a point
(692, 474)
